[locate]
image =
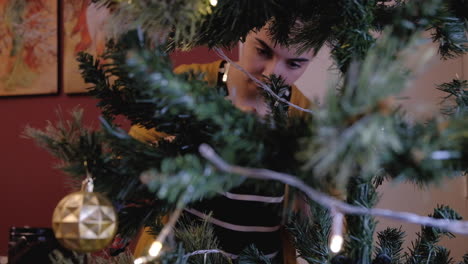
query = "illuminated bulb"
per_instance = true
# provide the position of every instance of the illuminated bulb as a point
(336, 243)
(226, 71)
(139, 261)
(155, 248)
(336, 240)
(213, 2)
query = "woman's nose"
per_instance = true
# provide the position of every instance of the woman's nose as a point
(272, 67)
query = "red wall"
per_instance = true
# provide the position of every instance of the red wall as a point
(31, 187)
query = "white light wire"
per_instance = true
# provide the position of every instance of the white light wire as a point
(454, 226)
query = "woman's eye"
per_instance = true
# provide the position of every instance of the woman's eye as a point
(294, 65)
(263, 52)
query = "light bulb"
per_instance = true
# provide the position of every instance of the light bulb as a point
(336, 243)
(139, 260)
(336, 240)
(213, 2)
(155, 249)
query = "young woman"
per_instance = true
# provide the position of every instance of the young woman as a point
(240, 217)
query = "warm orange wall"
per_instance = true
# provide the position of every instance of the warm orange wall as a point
(30, 186)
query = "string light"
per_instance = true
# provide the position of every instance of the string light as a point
(226, 72)
(139, 260)
(336, 241)
(153, 253)
(453, 226)
(157, 245)
(155, 249)
(213, 2)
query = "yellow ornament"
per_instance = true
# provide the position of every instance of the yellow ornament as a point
(84, 221)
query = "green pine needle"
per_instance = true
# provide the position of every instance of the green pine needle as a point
(425, 248)
(251, 255)
(390, 243)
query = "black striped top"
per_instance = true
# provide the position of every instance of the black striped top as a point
(240, 219)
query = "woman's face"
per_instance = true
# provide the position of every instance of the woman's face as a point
(262, 57)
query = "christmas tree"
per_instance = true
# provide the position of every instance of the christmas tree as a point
(352, 143)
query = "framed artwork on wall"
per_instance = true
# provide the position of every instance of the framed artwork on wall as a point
(83, 24)
(28, 47)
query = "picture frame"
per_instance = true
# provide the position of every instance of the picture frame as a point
(28, 47)
(83, 23)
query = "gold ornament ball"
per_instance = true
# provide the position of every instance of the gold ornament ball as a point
(84, 221)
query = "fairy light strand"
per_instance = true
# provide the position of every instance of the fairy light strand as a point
(336, 239)
(157, 245)
(208, 251)
(454, 226)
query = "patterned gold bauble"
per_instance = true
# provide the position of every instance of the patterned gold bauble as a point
(84, 221)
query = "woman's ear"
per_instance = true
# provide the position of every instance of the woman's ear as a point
(241, 47)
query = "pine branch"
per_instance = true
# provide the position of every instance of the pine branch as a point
(314, 18)
(425, 248)
(133, 217)
(450, 29)
(344, 25)
(278, 109)
(61, 137)
(158, 18)
(451, 35)
(126, 95)
(426, 154)
(120, 160)
(197, 113)
(74, 144)
(70, 142)
(364, 116)
(123, 258)
(443, 256)
(389, 244)
(198, 236)
(311, 235)
(385, 14)
(458, 92)
(231, 21)
(191, 184)
(251, 255)
(360, 228)
(140, 84)
(439, 17)
(465, 259)
(360, 117)
(353, 38)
